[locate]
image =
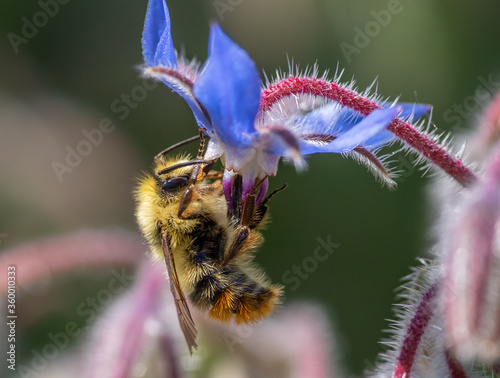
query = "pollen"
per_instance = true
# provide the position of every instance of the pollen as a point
(223, 308)
(251, 308)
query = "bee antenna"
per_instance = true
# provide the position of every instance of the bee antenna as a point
(180, 165)
(182, 143)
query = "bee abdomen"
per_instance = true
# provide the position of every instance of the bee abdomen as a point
(206, 289)
(245, 299)
(254, 305)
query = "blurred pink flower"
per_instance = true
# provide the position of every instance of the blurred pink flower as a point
(138, 335)
(471, 291)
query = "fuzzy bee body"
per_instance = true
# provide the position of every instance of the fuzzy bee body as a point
(208, 260)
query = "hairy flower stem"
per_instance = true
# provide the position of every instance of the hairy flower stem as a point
(123, 332)
(456, 369)
(62, 254)
(414, 333)
(363, 105)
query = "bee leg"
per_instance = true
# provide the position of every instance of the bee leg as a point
(273, 193)
(243, 242)
(202, 145)
(190, 195)
(214, 175)
(207, 171)
(199, 156)
(243, 230)
(261, 211)
(251, 216)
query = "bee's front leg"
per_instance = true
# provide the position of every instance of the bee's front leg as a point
(190, 196)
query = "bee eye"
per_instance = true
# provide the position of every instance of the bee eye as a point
(174, 183)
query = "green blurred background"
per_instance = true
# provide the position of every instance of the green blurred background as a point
(66, 77)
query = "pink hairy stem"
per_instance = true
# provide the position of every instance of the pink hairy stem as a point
(346, 97)
(414, 333)
(456, 369)
(63, 254)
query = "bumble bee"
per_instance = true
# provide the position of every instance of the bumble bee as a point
(183, 214)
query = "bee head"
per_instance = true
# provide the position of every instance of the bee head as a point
(173, 184)
(172, 175)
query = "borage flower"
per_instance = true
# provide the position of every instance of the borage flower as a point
(251, 126)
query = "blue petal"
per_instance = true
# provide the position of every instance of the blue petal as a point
(157, 45)
(329, 119)
(383, 137)
(370, 127)
(348, 118)
(229, 88)
(282, 141)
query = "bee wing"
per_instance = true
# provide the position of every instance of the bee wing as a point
(185, 320)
